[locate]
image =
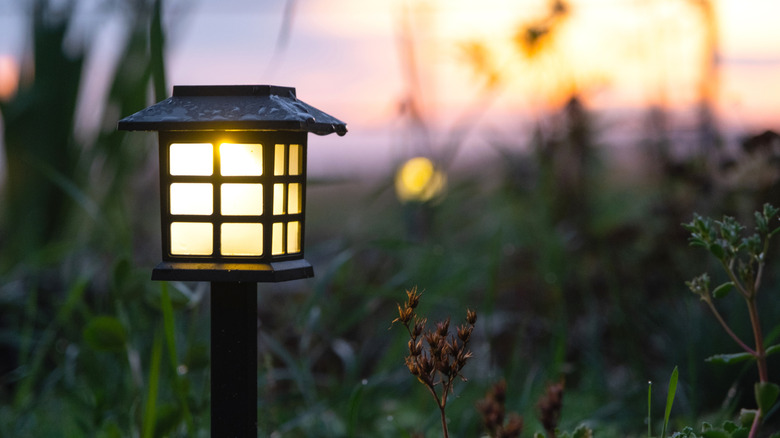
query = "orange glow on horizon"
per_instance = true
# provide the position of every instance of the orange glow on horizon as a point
(9, 77)
(612, 53)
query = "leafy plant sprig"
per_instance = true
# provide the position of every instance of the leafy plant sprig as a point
(743, 259)
(438, 360)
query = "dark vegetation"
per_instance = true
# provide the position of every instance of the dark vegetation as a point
(577, 273)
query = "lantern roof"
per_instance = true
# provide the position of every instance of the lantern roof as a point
(233, 107)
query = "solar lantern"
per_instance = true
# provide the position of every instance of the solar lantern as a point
(233, 213)
(232, 181)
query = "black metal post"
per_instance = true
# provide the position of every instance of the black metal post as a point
(233, 359)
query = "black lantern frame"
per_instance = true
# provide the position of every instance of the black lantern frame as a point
(218, 144)
(207, 118)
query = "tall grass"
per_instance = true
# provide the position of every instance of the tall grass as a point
(576, 275)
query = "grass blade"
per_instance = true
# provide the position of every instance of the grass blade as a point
(150, 410)
(670, 399)
(649, 409)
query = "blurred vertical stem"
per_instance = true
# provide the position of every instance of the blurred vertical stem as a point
(157, 48)
(749, 290)
(40, 149)
(150, 410)
(170, 338)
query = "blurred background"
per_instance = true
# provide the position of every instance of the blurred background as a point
(532, 160)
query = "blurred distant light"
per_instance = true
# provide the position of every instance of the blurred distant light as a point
(9, 77)
(418, 180)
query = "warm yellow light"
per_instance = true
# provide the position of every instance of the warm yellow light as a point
(279, 160)
(294, 237)
(242, 239)
(296, 164)
(278, 198)
(191, 198)
(240, 159)
(418, 180)
(191, 238)
(242, 199)
(277, 239)
(294, 198)
(191, 159)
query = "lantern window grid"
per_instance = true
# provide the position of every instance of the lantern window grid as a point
(270, 230)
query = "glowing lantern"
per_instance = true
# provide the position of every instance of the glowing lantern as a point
(233, 181)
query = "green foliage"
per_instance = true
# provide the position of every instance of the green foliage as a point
(766, 395)
(728, 429)
(743, 259)
(105, 333)
(573, 268)
(670, 394)
(76, 358)
(581, 431)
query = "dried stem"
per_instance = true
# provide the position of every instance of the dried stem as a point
(436, 356)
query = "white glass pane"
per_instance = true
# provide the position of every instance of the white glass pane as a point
(279, 159)
(192, 198)
(242, 199)
(293, 237)
(294, 198)
(191, 238)
(191, 159)
(278, 198)
(241, 159)
(277, 242)
(295, 159)
(242, 239)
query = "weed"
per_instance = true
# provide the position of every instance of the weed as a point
(743, 260)
(493, 411)
(445, 356)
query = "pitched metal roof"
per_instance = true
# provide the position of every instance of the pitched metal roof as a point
(233, 107)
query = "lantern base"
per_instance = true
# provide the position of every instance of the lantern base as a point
(233, 272)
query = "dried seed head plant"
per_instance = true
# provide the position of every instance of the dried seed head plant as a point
(436, 356)
(497, 422)
(550, 406)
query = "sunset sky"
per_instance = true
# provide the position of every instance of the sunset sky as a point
(344, 57)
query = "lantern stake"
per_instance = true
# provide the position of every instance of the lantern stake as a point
(233, 359)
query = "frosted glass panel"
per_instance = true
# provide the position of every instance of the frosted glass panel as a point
(192, 198)
(241, 159)
(278, 198)
(293, 237)
(279, 159)
(191, 159)
(295, 159)
(191, 238)
(242, 239)
(242, 199)
(294, 198)
(277, 242)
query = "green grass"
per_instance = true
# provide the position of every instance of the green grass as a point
(578, 280)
